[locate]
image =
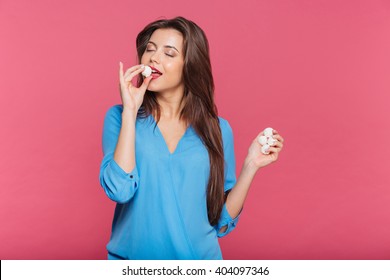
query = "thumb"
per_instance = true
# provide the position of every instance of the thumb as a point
(145, 83)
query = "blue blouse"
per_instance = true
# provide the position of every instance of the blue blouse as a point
(161, 210)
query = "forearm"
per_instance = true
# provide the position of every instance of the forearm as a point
(236, 197)
(124, 154)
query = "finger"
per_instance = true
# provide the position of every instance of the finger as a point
(278, 137)
(278, 144)
(273, 150)
(260, 134)
(145, 83)
(133, 68)
(133, 74)
(121, 79)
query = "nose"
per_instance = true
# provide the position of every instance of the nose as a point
(155, 57)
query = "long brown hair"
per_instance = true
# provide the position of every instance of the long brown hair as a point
(199, 108)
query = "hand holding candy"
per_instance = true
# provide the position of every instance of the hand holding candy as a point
(131, 95)
(265, 149)
(267, 140)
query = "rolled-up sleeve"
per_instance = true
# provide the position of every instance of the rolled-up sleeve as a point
(230, 178)
(119, 185)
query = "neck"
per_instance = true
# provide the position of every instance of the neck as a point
(171, 104)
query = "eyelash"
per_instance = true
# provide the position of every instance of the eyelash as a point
(165, 53)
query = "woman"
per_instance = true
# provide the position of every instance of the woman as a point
(168, 158)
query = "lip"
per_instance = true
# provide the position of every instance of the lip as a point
(155, 76)
(155, 69)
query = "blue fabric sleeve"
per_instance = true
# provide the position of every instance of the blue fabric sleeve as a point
(230, 178)
(119, 185)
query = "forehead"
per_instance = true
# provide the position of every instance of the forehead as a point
(170, 37)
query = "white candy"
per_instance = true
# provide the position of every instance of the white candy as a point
(147, 72)
(264, 149)
(266, 140)
(271, 141)
(268, 132)
(262, 140)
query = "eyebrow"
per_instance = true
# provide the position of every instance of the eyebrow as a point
(166, 46)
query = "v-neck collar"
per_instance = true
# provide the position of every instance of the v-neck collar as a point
(188, 130)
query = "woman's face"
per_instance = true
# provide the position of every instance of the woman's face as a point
(164, 53)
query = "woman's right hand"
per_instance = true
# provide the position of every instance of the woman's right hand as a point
(132, 96)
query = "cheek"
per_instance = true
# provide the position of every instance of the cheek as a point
(175, 68)
(145, 59)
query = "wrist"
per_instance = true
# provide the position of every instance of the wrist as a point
(250, 166)
(129, 114)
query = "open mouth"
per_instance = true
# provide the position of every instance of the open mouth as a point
(155, 72)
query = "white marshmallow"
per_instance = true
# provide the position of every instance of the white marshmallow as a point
(268, 131)
(264, 149)
(271, 141)
(147, 71)
(262, 140)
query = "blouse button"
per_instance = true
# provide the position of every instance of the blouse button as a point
(131, 176)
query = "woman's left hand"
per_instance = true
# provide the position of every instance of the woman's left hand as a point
(257, 159)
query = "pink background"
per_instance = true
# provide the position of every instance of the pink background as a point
(317, 71)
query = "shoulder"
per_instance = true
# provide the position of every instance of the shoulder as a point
(226, 130)
(225, 126)
(114, 115)
(115, 110)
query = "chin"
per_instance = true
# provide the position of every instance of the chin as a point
(156, 87)
(153, 88)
